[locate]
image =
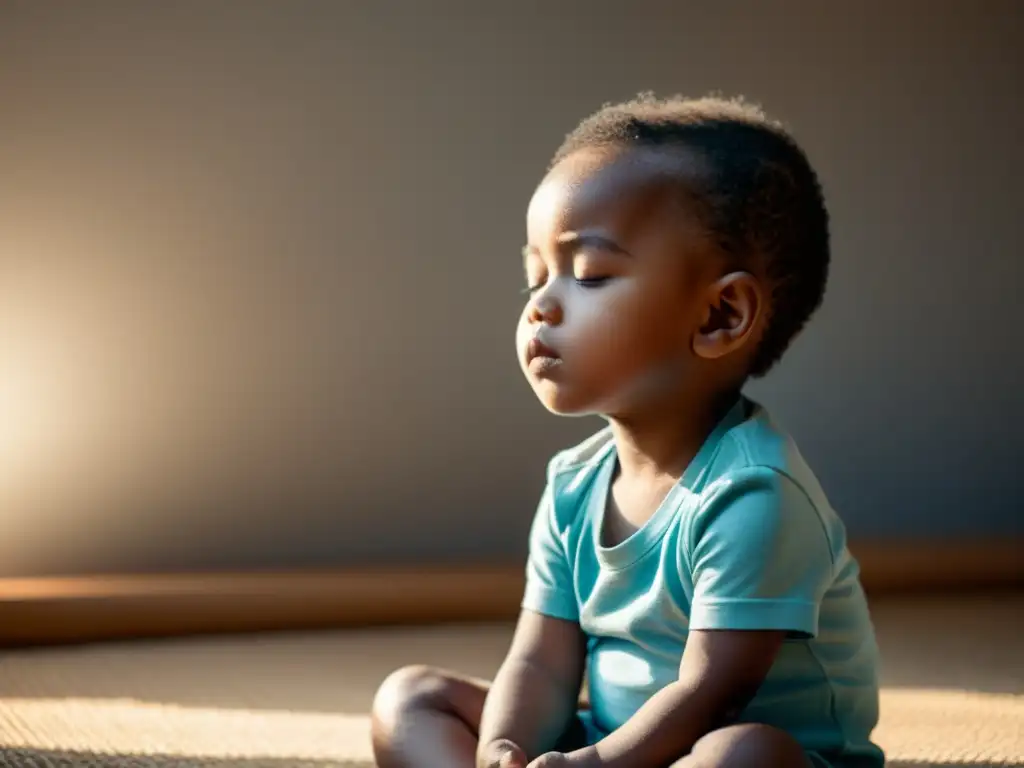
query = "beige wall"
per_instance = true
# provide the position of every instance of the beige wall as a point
(259, 265)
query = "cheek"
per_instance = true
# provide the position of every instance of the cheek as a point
(632, 345)
(620, 325)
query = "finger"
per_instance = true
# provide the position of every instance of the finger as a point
(505, 754)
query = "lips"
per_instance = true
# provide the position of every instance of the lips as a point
(542, 361)
(537, 348)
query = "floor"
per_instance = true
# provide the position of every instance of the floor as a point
(953, 691)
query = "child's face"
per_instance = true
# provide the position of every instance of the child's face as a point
(619, 266)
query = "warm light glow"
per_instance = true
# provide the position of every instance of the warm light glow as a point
(41, 414)
(31, 407)
(27, 424)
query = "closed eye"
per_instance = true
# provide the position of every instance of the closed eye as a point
(584, 282)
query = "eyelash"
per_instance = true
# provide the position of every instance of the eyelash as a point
(590, 282)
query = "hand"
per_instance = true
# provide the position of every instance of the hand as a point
(581, 758)
(502, 754)
(550, 760)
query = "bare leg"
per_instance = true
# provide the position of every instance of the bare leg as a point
(747, 745)
(427, 718)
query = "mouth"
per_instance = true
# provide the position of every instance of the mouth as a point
(541, 358)
(537, 348)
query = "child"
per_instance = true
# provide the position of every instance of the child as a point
(685, 557)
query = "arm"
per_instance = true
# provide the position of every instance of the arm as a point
(537, 688)
(719, 674)
(535, 692)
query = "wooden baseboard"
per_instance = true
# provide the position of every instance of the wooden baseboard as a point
(64, 610)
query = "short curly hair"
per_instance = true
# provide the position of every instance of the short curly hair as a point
(762, 201)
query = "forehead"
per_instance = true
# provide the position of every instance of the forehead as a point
(620, 190)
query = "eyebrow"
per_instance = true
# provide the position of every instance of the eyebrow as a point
(580, 240)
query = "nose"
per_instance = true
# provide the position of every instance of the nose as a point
(546, 309)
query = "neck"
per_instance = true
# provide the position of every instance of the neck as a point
(663, 442)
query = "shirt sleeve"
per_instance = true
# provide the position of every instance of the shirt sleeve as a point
(760, 556)
(549, 583)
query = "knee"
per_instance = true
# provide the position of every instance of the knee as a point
(409, 688)
(747, 744)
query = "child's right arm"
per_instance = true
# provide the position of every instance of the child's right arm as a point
(536, 692)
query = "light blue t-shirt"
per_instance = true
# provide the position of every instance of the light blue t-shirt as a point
(745, 540)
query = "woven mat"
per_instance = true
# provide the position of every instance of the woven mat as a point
(953, 696)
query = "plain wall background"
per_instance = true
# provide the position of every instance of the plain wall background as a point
(260, 271)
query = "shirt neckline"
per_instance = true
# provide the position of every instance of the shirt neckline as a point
(638, 544)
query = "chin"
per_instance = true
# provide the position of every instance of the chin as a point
(557, 400)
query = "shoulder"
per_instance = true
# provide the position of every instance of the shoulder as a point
(759, 484)
(759, 453)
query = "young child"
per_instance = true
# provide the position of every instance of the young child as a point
(684, 559)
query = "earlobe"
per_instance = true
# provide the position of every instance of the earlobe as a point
(733, 309)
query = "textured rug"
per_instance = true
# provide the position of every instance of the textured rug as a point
(953, 696)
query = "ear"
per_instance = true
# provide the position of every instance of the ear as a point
(731, 316)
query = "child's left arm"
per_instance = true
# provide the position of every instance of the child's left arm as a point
(761, 560)
(719, 674)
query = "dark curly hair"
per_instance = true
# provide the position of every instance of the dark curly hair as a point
(762, 201)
